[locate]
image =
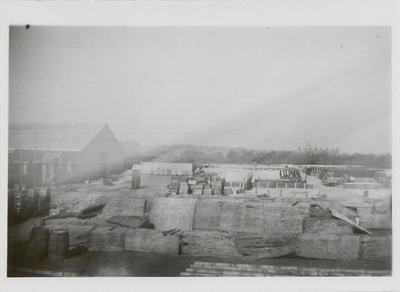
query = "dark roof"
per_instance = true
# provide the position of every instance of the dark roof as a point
(52, 136)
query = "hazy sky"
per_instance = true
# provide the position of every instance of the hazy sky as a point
(254, 87)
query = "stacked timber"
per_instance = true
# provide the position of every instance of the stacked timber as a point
(198, 189)
(218, 186)
(209, 243)
(227, 191)
(128, 221)
(169, 213)
(178, 185)
(375, 248)
(107, 239)
(173, 187)
(256, 247)
(241, 215)
(207, 191)
(372, 214)
(145, 240)
(333, 247)
(183, 188)
(125, 206)
(200, 179)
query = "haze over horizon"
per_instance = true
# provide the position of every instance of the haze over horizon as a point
(253, 87)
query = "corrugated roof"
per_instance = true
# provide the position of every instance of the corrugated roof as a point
(51, 136)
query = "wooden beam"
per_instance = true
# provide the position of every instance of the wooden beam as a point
(340, 216)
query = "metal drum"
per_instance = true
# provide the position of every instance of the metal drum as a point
(39, 242)
(58, 245)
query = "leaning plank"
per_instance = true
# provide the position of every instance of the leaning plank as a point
(337, 215)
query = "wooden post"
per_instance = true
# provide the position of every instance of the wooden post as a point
(20, 168)
(35, 167)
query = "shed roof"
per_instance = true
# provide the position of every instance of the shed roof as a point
(52, 136)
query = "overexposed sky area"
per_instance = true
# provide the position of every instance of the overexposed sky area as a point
(254, 87)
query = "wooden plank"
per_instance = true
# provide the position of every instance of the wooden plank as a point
(338, 215)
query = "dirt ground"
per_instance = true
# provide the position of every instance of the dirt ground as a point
(134, 264)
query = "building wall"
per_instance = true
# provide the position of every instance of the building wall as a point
(160, 168)
(41, 167)
(102, 156)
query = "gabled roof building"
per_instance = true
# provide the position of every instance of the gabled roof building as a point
(42, 154)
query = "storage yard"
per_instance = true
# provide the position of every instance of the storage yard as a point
(214, 221)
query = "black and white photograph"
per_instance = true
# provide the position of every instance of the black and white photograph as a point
(200, 151)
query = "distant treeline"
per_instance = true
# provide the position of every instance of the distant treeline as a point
(203, 154)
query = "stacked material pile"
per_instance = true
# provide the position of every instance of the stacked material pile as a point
(107, 239)
(375, 248)
(209, 243)
(256, 247)
(198, 189)
(374, 214)
(333, 247)
(128, 221)
(227, 191)
(207, 191)
(324, 237)
(125, 206)
(218, 186)
(168, 213)
(200, 183)
(173, 187)
(178, 185)
(183, 188)
(241, 215)
(143, 240)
